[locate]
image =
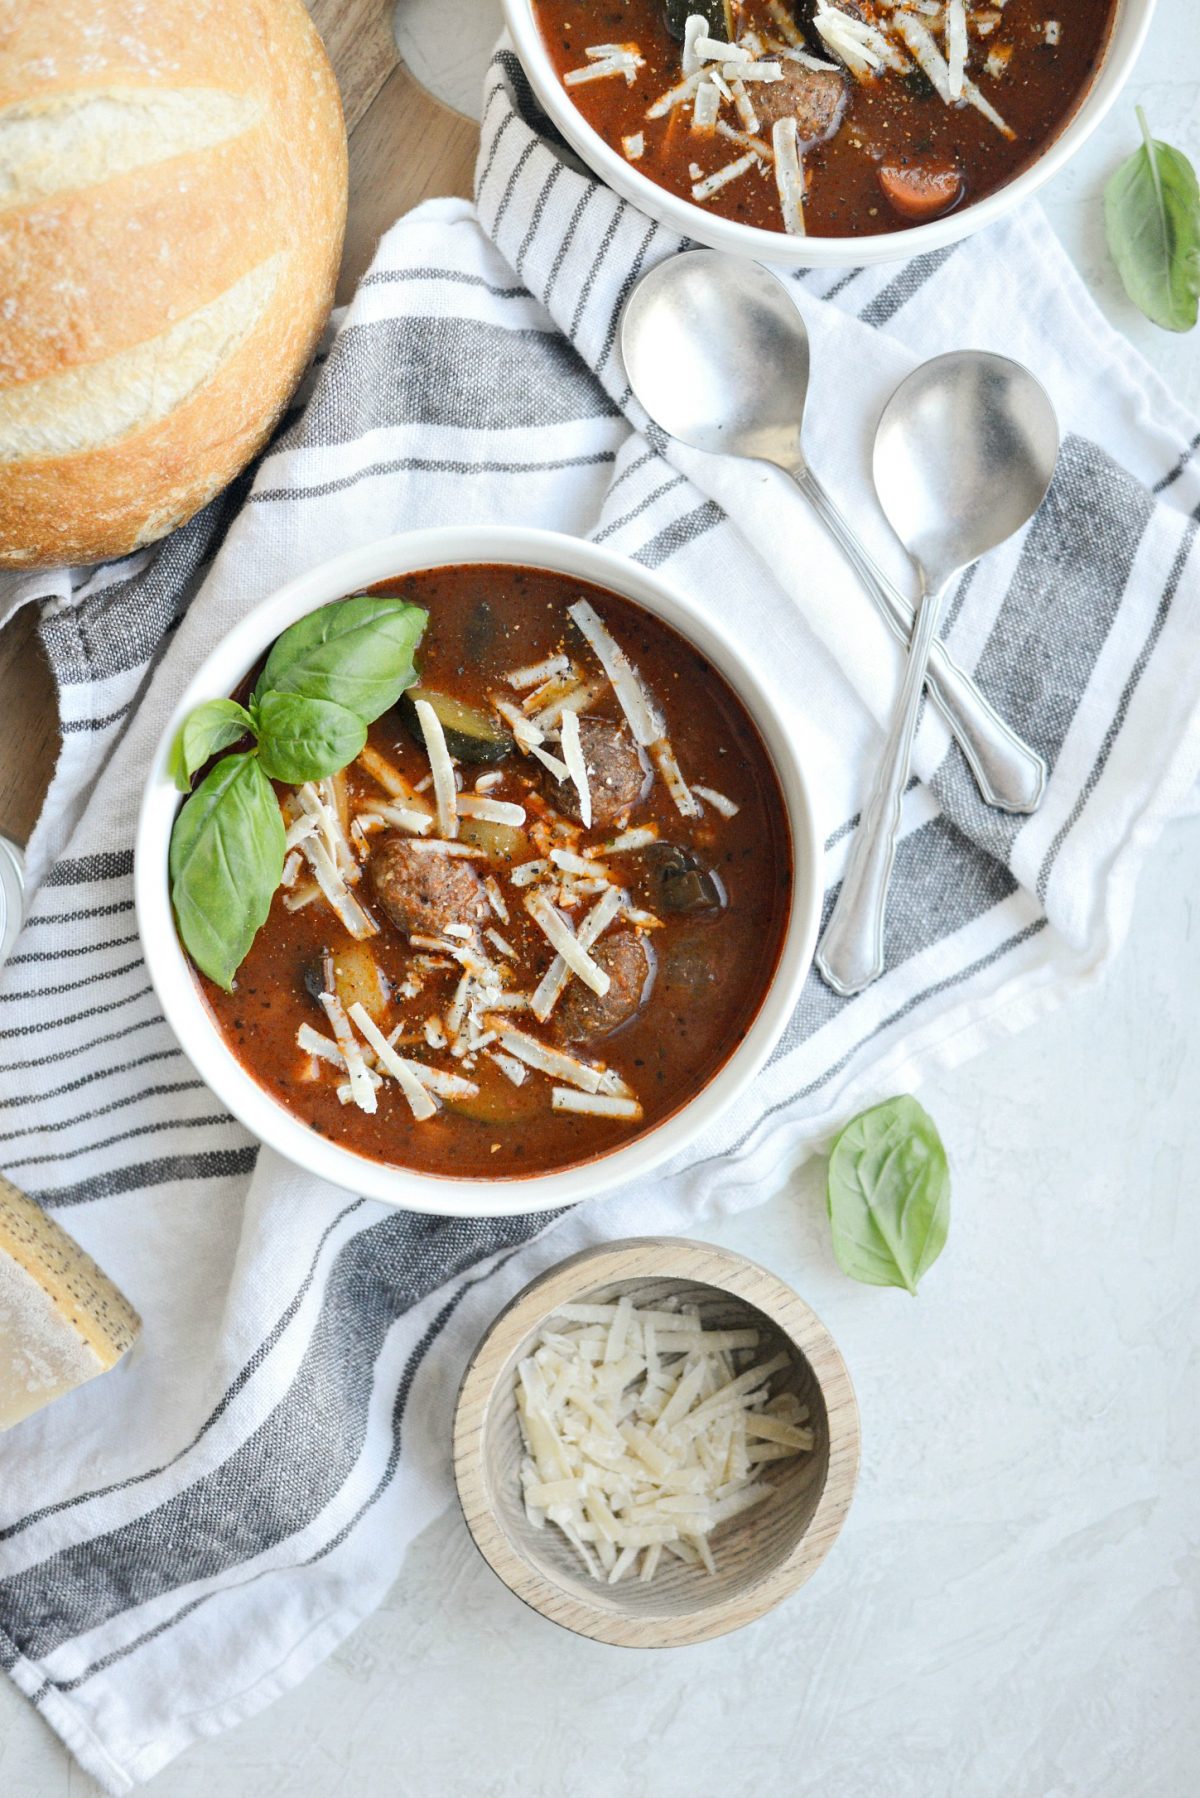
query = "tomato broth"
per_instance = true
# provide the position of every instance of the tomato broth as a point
(690, 951)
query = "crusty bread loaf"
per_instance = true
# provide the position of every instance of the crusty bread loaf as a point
(172, 202)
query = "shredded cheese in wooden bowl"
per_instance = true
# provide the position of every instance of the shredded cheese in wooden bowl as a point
(655, 1442)
(646, 1431)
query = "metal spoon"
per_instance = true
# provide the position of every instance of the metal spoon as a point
(964, 454)
(718, 355)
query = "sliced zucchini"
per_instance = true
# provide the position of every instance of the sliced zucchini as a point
(491, 1105)
(472, 735)
(503, 842)
(359, 978)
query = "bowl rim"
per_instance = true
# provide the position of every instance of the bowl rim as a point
(1130, 26)
(180, 996)
(654, 1258)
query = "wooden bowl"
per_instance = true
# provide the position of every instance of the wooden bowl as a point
(761, 1556)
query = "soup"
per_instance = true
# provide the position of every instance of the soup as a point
(539, 911)
(837, 120)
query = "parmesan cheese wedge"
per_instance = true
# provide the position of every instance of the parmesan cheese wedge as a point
(62, 1321)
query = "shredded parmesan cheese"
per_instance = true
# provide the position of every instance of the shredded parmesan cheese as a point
(436, 846)
(421, 1104)
(925, 52)
(445, 790)
(703, 190)
(389, 778)
(755, 71)
(606, 60)
(362, 1088)
(859, 45)
(956, 47)
(331, 882)
(706, 107)
(640, 837)
(663, 757)
(572, 749)
(523, 729)
(492, 811)
(565, 1098)
(563, 938)
(555, 1062)
(537, 672)
(323, 1047)
(695, 29)
(645, 719)
(718, 801)
(496, 899)
(675, 96)
(713, 49)
(510, 1067)
(789, 176)
(744, 104)
(559, 972)
(404, 817)
(642, 1431)
(557, 768)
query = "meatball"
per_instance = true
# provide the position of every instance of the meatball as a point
(618, 773)
(815, 98)
(422, 891)
(628, 961)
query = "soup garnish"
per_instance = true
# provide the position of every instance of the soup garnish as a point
(536, 911)
(837, 117)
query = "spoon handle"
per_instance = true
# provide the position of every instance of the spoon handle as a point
(851, 955)
(1009, 774)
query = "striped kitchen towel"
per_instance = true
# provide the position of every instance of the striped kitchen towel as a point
(183, 1542)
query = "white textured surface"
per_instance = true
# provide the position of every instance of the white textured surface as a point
(1012, 1610)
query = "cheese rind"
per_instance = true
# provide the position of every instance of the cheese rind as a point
(62, 1321)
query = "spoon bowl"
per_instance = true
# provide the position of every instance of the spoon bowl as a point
(718, 354)
(964, 456)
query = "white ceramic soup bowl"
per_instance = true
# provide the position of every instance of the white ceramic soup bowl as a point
(706, 226)
(178, 989)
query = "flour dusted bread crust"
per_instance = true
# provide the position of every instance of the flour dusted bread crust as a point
(172, 202)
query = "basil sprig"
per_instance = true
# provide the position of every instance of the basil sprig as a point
(327, 678)
(1152, 222)
(888, 1194)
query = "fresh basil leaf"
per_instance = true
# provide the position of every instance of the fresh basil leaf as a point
(303, 739)
(1152, 221)
(225, 863)
(356, 653)
(217, 724)
(889, 1195)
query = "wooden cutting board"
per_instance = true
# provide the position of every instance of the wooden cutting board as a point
(404, 146)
